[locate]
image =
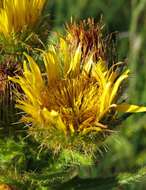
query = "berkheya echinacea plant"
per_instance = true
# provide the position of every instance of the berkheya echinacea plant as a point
(74, 105)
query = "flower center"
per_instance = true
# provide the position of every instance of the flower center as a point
(76, 100)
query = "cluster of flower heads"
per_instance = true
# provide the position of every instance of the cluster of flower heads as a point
(15, 15)
(76, 101)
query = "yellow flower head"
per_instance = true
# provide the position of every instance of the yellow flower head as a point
(74, 100)
(16, 15)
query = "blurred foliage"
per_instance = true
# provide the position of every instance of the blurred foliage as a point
(121, 162)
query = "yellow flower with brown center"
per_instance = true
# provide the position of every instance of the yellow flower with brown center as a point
(73, 100)
(17, 15)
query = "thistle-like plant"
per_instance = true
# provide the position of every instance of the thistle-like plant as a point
(75, 103)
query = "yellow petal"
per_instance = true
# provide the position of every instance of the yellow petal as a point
(75, 64)
(88, 64)
(52, 66)
(88, 130)
(71, 127)
(65, 54)
(53, 117)
(37, 77)
(31, 110)
(117, 84)
(130, 108)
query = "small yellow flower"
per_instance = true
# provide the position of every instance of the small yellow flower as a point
(74, 98)
(17, 15)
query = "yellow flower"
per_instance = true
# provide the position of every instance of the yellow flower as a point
(74, 98)
(17, 15)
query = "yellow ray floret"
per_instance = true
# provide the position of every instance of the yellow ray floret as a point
(16, 15)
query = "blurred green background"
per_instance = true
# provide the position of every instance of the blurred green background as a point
(126, 152)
